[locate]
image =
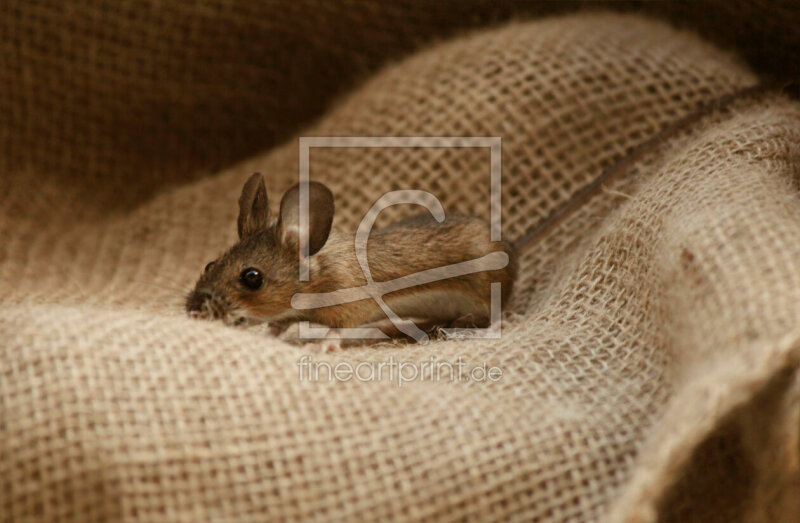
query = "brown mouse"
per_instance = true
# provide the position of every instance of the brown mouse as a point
(256, 279)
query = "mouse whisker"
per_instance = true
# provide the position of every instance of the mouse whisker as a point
(155, 276)
(242, 317)
(160, 286)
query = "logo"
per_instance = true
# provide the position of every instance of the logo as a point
(376, 290)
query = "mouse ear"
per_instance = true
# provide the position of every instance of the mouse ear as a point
(253, 206)
(320, 217)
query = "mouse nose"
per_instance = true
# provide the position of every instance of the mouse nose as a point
(197, 299)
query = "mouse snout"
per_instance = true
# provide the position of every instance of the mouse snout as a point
(202, 303)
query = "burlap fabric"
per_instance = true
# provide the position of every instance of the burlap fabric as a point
(649, 356)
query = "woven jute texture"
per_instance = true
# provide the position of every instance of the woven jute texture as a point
(649, 355)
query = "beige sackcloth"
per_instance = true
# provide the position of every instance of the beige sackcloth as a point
(650, 353)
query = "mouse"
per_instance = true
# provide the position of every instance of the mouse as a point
(257, 279)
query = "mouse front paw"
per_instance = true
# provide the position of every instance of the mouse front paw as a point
(332, 341)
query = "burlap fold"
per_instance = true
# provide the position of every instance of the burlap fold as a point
(649, 355)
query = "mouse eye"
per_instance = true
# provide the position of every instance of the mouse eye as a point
(252, 278)
(209, 266)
